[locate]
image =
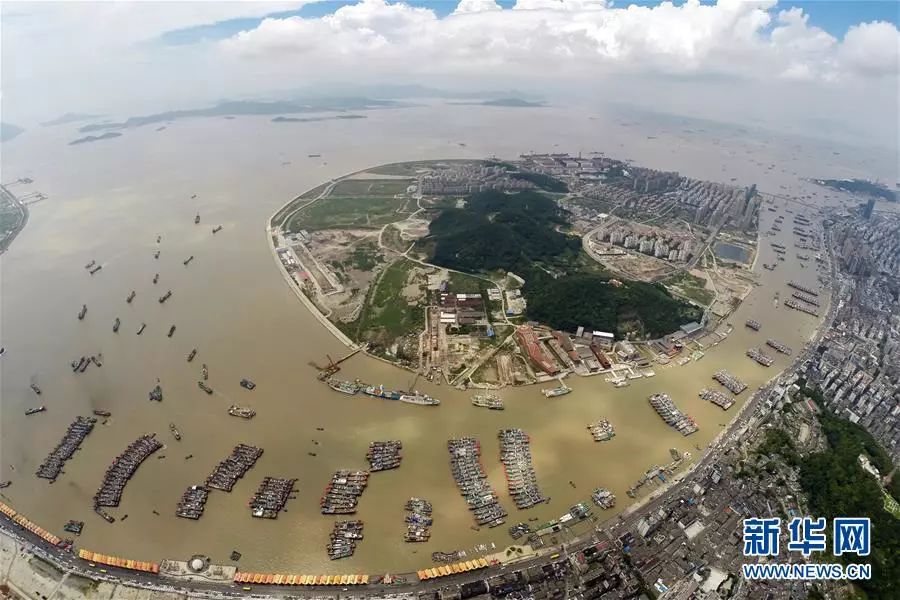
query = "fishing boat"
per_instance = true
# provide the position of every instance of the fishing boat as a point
(165, 296)
(102, 413)
(420, 399)
(345, 387)
(204, 387)
(488, 400)
(188, 260)
(197, 219)
(156, 393)
(155, 278)
(34, 387)
(240, 411)
(204, 372)
(35, 410)
(90, 264)
(82, 312)
(130, 297)
(141, 330)
(247, 384)
(5, 484)
(95, 269)
(562, 390)
(116, 325)
(217, 229)
(175, 433)
(156, 254)
(191, 356)
(171, 330)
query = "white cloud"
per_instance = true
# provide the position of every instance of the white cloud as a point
(871, 48)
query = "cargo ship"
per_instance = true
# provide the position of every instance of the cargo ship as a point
(420, 399)
(491, 401)
(204, 387)
(175, 433)
(35, 410)
(603, 498)
(239, 411)
(247, 384)
(116, 325)
(83, 312)
(562, 390)
(380, 392)
(345, 387)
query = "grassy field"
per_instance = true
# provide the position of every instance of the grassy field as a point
(371, 187)
(692, 287)
(393, 240)
(387, 315)
(348, 212)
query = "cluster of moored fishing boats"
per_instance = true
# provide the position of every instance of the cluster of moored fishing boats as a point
(465, 464)
(515, 454)
(379, 391)
(75, 434)
(732, 383)
(603, 498)
(778, 346)
(753, 324)
(602, 430)
(342, 493)
(806, 298)
(665, 408)
(227, 472)
(721, 400)
(760, 357)
(802, 288)
(791, 303)
(241, 411)
(488, 400)
(156, 393)
(384, 455)
(123, 468)
(80, 365)
(343, 538)
(271, 496)
(192, 502)
(418, 520)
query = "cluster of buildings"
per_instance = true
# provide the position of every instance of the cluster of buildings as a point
(462, 309)
(857, 365)
(665, 244)
(470, 178)
(555, 352)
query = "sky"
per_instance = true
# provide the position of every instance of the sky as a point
(828, 67)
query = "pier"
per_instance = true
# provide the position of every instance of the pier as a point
(75, 434)
(468, 472)
(123, 469)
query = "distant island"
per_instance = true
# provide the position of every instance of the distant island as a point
(8, 131)
(312, 119)
(507, 102)
(69, 118)
(231, 109)
(860, 186)
(95, 138)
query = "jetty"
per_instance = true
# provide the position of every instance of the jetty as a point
(602, 430)
(418, 520)
(271, 496)
(732, 383)
(521, 480)
(192, 502)
(123, 468)
(235, 466)
(468, 472)
(665, 408)
(721, 400)
(383, 456)
(342, 493)
(343, 538)
(71, 441)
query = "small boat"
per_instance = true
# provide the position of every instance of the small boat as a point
(562, 390)
(141, 330)
(2, 351)
(191, 356)
(247, 384)
(130, 297)
(158, 239)
(102, 413)
(156, 393)
(116, 325)
(77, 364)
(204, 372)
(90, 264)
(155, 278)
(204, 387)
(95, 269)
(83, 312)
(175, 433)
(165, 296)
(217, 229)
(193, 196)
(313, 155)
(96, 360)
(622, 383)
(5, 484)
(156, 254)
(171, 331)
(35, 389)
(239, 411)
(35, 410)
(189, 259)
(311, 453)
(197, 219)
